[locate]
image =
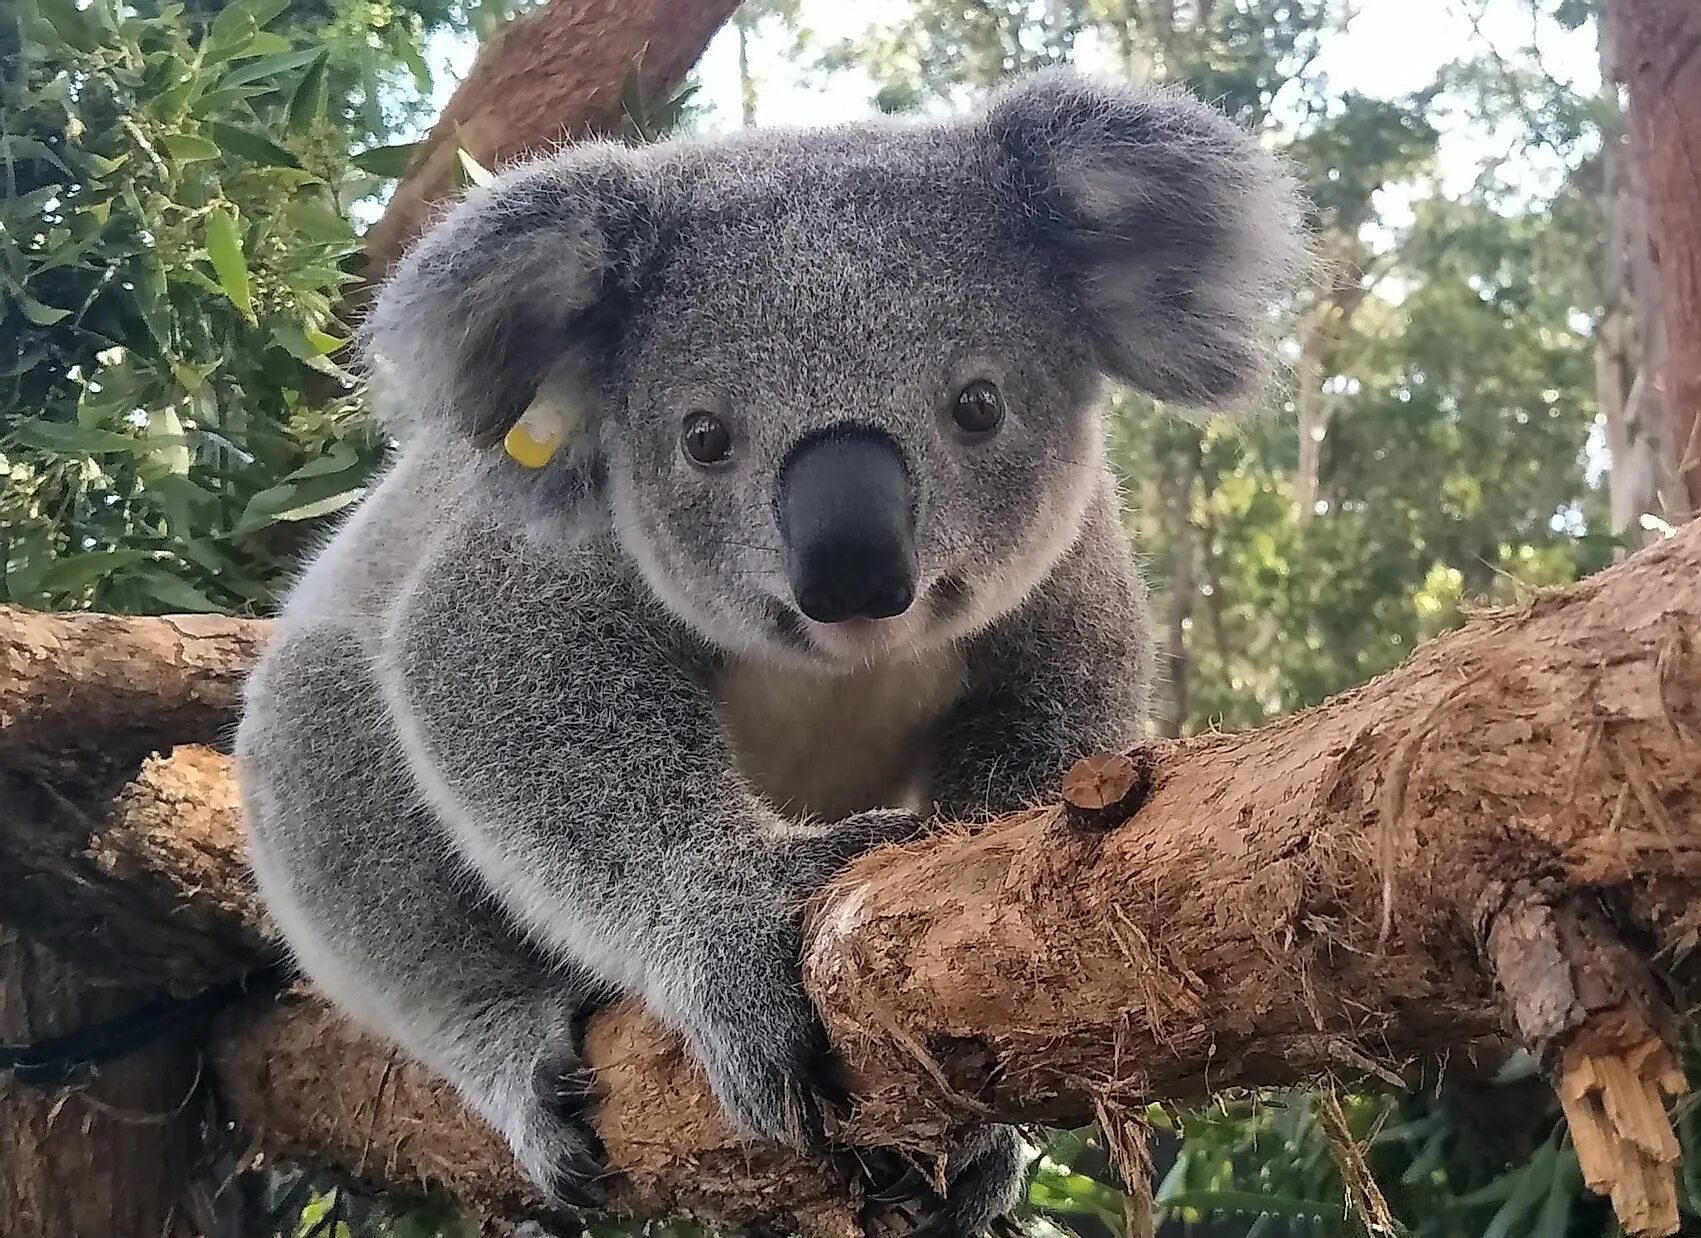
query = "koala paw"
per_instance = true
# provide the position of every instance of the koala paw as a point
(552, 1136)
(775, 1089)
(984, 1179)
(753, 1027)
(815, 856)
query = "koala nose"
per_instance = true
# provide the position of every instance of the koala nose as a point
(849, 534)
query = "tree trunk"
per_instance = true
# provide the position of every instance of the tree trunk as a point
(552, 76)
(1635, 418)
(1326, 321)
(1658, 45)
(1499, 841)
(746, 80)
(1183, 589)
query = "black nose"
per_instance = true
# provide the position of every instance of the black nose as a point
(845, 516)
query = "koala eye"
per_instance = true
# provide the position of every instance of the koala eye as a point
(706, 439)
(978, 409)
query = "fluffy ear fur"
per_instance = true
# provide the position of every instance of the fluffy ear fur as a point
(1176, 229)
(516, 291)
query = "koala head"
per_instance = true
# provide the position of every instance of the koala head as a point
(834, 391)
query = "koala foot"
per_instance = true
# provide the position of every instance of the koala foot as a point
(552, 1136)
(984, 1180)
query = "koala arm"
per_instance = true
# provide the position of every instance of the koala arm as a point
(1065, 674)
(559, 726)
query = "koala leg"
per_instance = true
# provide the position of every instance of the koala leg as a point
(731, 982)
(385, 918)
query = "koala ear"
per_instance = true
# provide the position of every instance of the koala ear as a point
(506, 294)
(1177, 231)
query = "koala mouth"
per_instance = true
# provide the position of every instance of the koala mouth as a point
(863, 640)
(941, 603)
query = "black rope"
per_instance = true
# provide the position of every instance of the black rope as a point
(59, 1060)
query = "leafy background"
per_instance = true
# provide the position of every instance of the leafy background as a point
(184, 191)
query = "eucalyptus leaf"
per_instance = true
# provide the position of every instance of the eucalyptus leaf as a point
(173, 592)
(188, 147)
(76, 572)
(386, 161)
(72, 439)
(41, 315)
(249, 145)
(476, 172)
(166, 439)
(323, 507)
(307, 103)
(224, 248)
(271, 66)
(296, 342)
(318, 222)
(69, 23)
(17, 148)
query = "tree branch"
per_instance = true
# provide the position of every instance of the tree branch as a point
(550, 77)
(1500, 839)
(71, 685)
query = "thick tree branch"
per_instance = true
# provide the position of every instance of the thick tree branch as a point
(1500, 839)
(72, 686)
(551, 76)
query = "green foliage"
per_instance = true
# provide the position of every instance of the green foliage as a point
(1353, 145)
(943, 49)
(293, 1203)
(1453, 474)
(173, 240)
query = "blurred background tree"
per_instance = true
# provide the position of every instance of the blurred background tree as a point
(185, 189)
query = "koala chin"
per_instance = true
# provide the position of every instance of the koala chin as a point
(827, 550)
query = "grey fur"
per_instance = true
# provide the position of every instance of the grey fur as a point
(525, 739)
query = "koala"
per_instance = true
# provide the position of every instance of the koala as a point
(817, 545)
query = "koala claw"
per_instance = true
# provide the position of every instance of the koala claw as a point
(777, 1105)
(985, 1183)
(566, 1087)
(887, 1177)
(564, 1160)
(555, 1142)
(906, 1186)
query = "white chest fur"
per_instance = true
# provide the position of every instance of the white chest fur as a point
(825, 746)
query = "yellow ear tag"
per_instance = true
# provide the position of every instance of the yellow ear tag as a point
(536, 436)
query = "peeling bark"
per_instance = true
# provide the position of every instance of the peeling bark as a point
(90, 691)
(1500, 838)
(150, 886)
(1581, 1001)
